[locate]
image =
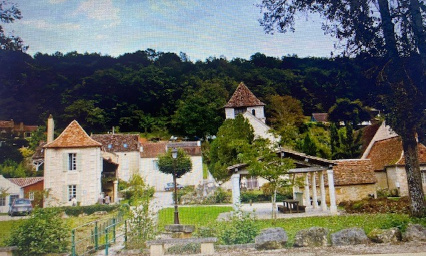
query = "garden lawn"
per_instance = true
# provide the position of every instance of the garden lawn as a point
(367, 222)
(6, 228)
(192, 215)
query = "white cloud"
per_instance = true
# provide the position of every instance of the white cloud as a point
(44, 25)
(100, 10)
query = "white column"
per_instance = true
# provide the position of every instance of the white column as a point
(307, 193)
(322, 187)
(314, 190)
(332, 191)
(115, 194)
(235, 179)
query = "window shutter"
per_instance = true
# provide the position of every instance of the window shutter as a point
(65, 162)
(79, 162)
(78, 192)
(65, 194)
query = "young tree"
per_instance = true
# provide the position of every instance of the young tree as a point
(175, 163)
(392, 30)
(348, 111)
(233, 137)
(264, 162)
(9, 12)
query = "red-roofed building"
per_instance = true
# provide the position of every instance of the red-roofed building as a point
(30, 186)
(12, 129)
(149, 163)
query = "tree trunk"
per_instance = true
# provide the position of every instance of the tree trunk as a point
(414, 179)
(274, 204)
(388, 29)
(418, 30)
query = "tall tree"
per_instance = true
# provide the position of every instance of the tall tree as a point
(9, 12)
(393, 30)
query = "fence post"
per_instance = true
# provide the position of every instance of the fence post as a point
(73, 242)
(96, 236)
(113, 229)
(106, 241)
(125, 233)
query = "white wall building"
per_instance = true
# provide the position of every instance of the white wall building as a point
(12, 191)
(72, 167)
(149, 164)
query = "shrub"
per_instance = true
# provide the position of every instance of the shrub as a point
(184, 191)
(89, 209)
(44, 232)
(191, 248)
(284, 191)
(241, 229)
(221, 196)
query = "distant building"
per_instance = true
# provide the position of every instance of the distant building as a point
(319, 117)
(244, 102)
(29, 187)
(11, 129)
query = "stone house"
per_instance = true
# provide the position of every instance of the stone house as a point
(8, 128)
(30, 186)
(319, 117)
(149, 163)
(244, 102)
(72, 166)
(11, 191)
(123, 150)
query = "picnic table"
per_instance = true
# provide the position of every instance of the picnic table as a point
(290, 206)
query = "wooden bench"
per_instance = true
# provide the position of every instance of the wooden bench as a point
(157, 247)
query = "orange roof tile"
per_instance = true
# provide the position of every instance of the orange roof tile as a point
(385, 152)
(243, 97)
(422, 155)
(73, 137)
(153, 149)
(354, 172)
(24, 182)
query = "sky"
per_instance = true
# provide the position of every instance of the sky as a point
(199, 28)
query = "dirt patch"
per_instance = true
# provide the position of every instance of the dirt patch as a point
(380, 205)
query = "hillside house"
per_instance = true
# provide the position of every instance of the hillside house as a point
(244, 102)
(72, 166)
(10, 129)
(149, 163)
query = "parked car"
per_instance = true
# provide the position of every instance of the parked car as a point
(171, 186)
(20, 206)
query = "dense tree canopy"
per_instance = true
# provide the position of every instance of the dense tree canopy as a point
(9, 13)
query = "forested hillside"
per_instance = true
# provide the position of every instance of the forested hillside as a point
(147, 90)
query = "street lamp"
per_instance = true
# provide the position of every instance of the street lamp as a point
(174, 156)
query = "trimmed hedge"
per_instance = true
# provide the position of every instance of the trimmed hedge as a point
(248, 196)
(90, 209)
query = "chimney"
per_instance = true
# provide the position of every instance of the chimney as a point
(50, 129)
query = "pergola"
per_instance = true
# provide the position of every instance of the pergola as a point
(310, 167)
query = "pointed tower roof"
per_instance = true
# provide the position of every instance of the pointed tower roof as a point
(73, 137)
(243, 97)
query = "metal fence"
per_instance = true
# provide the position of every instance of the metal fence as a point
(98, 235)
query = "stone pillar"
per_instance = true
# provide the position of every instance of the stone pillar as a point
(332, 191)
(235, 179)
(314, 190)
(307, 193)
(115, 194)
(322, 187)
(50, 129)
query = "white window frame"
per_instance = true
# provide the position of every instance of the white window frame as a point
(3, 200)
(31, 195)
(72, 161)
(72, 192)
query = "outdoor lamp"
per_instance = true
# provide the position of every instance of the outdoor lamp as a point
(176, 214)
(174, 153)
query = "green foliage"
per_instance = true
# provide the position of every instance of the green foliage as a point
(233, 138)
(348, 144)
(9, 13)
(190, 248)
(44, 232)
(88, 209)
(179, 166)
(36, 137)
(11, 169)
(240, 229)
(138, 190)
(348, 111)
(221, 196)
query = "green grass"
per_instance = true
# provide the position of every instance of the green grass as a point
(6, 228)
(205, 171)
(194, 215)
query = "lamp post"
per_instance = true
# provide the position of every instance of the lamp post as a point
(174, 156)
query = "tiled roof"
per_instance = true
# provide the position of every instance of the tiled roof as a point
(243, 97)
(118, 142)
(153, 149)
(6, 124)
(320, 117)
(39, 152)
(385, 152)
(73, 137)
(422, 155)
(354, 172)
(368, 133)
(24, 182)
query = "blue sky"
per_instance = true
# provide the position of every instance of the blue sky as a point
(200, 29)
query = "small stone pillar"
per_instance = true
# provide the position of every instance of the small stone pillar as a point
(235, 179)
(115, 194)
(314, 190)
(332, 191)
(322, 187)
(180, 230)
(307, 192)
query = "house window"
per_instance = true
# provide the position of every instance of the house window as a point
(424, 177)
(2, 200)
(253, 112)
(155, 164)
(238, 111)
(72, 192)
(72, 161)
(31, 195)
